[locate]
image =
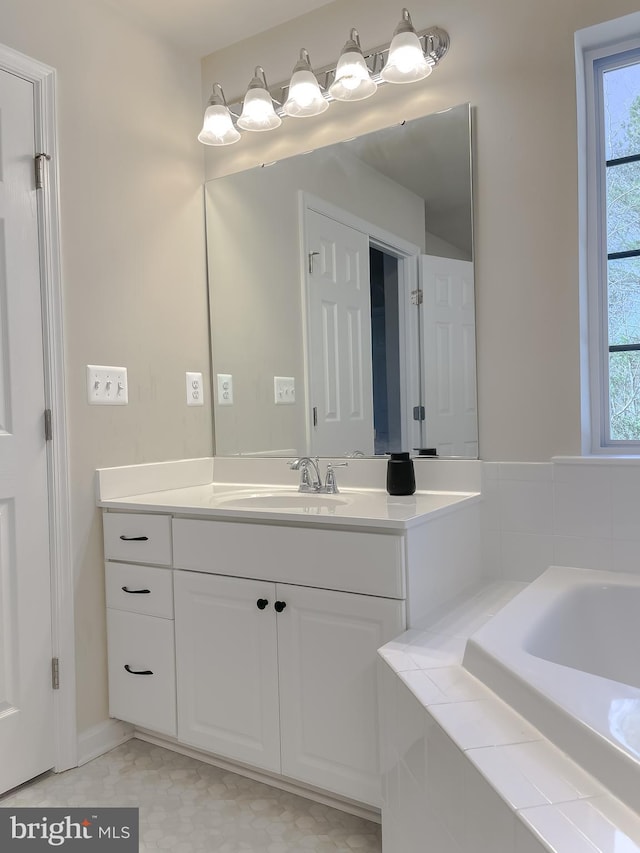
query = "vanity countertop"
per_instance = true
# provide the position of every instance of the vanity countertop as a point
(352, 508)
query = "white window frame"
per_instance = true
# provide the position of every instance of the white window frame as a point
(592, 45)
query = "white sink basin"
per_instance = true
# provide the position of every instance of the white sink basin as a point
(282, 500)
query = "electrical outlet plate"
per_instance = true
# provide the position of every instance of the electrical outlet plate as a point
(284, 390)
(107, 386)
(195, 390)
(225, 389)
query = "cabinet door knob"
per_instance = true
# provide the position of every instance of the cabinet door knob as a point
(262, 603)
(134, 538)
(280, 606)
(136, 591)
(138, 671)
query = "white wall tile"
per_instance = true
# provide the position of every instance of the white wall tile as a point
(492, 554)
(626, 556)
(591, 476)
(445, 780)
(582, 552)
(526, 507)
(582, 509)
(489, 824)
(525, 555)
(483, 722)
(528, 471)
(625, 508)
(609, 826)
(526, 841)
(559, 832)
(410, 733)
(533, 774)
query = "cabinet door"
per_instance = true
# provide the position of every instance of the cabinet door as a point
(327, 644)
(142, 678)
(227, 667)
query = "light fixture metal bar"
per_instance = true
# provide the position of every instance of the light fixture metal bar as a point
(435, 42)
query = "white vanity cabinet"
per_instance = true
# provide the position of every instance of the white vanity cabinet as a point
(228, 667)
(140, 636)
(283, 677)
(274, 628)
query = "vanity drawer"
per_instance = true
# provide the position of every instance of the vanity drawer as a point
(139, 589)
(349, 561)
(145, 644)
(137, 537)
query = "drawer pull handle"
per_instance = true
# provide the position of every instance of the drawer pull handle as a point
(136, 591)
(138, 671)
(280, 606)
(134, 538)
(262, 603)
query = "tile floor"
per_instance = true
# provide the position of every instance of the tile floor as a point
(188, 807)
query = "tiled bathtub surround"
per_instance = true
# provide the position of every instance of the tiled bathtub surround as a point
(568, 512)
(465, 771)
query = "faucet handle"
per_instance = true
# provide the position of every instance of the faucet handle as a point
(330, 484)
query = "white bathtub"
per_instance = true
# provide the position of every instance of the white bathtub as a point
(565, 653)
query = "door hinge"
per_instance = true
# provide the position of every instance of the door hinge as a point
(315, 416)
(416, 297)
(55, 673)
(39, 165)
(48, 426)
(418, 413)
(311, 257)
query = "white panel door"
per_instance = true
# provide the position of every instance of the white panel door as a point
(327, 643)
(339, 311)
(26, 729)
(449, 356)
(227, 667)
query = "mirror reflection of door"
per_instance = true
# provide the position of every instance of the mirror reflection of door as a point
(340, 368)
(449, 355)
(362, 353)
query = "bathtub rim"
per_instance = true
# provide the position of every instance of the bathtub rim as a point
(557, 700)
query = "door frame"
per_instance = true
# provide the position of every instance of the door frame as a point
(407, 254)
(43, 78)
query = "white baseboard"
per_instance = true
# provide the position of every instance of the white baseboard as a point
(102, 738)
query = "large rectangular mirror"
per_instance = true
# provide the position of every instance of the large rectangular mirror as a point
(341, 292)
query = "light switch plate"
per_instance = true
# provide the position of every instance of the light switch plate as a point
(284, 390)
(195, 391)
(107, 386)
(225, 389)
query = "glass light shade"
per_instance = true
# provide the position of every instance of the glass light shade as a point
(353, 81)
(217, 128)
(406, 62)
(305, 97)
(258, 112)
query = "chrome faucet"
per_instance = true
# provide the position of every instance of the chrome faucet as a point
(330, 484)
(310, 480)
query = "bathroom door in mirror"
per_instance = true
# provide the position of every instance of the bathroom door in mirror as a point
(339, 337)
(411, 186)
(449, 355)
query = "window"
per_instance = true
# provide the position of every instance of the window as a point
(608, 63)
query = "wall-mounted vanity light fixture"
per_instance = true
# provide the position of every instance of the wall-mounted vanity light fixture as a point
(409, 57)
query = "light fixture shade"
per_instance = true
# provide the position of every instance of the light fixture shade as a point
(406, 62)
(258, 112)
(305, 96)
(218, 127)
(352, 81)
